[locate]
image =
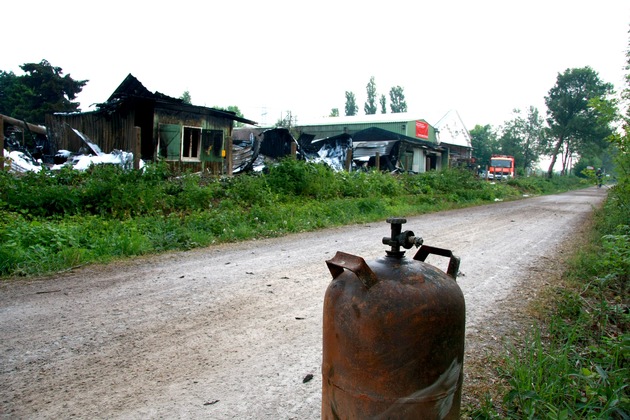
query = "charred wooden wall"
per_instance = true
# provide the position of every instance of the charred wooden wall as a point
(109, 132)
(114, 129)
(165, 115)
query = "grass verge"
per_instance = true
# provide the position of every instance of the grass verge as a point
(51, 222)
(568, 355)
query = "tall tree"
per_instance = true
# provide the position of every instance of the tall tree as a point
(370, 104)
(41, 90)
(235, 109)
(13, 96)
(52, 91)
(351, 104)
(619, 140)
(484, 143)
(575, 124)
(524, 137)
(383, 101)
(334, 112)
(397, 98)
(186, 98)
(231, 108)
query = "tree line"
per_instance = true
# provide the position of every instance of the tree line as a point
(578, 124)
(396, 96)
(41, 90)
(575, 132)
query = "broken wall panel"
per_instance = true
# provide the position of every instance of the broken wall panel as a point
(110, 133)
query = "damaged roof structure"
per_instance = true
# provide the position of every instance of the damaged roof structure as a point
(334, 151)
(395, 152)
(152, 125)
(394, 142)
(133, 125)
(255, 148)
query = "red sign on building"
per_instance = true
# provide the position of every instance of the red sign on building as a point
(422, 129)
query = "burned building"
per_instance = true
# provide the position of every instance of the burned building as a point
(255, 148)
(397, 142)
(152, 126)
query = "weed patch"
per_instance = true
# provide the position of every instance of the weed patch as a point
(575, 362)
(54, 221)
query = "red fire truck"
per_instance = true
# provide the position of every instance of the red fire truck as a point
(501, 167)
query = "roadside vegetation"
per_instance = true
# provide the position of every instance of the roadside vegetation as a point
(574, 362)
(51, 222)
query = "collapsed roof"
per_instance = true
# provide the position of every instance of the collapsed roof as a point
(132, 88)
(252, 148)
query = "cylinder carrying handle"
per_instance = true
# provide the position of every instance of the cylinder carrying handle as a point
(453, 264)
(357, 265)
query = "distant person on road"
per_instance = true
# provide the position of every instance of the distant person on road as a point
(599, 177)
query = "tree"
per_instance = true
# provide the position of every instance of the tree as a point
(383, 104)
(524, 138)
(370, 104)
(351, 104)
(186, 98)
(235, 109)
(575, 125)
(619, 141)
(484, 143)
(397, 98)
(232, 108)
(334, 112)
(40, 91)
(13, 95)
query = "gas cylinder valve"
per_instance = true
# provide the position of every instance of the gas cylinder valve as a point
(398, 238)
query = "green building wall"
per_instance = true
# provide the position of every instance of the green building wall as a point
(328, 129)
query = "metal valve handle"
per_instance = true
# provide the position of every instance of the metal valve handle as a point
(398, 238)
(453, 264)
(357, 265)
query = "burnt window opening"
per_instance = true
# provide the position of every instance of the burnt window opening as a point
(191, 143)
(213, 143)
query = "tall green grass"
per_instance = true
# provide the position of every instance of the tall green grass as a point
(52, 221)
(576, 362)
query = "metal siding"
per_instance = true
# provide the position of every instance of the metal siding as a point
(329, 130)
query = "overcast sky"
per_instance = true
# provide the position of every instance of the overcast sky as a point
(482, 58)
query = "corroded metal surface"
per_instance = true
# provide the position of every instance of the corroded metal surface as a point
(393, 350)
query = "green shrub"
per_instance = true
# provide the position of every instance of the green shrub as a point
(55, 220)
(580, 368)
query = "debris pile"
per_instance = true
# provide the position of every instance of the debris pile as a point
(28, 154)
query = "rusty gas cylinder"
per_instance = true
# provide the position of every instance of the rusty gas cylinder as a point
(393, 335)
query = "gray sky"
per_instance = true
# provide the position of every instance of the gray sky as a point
(482, 58)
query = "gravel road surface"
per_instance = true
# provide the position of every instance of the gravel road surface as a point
(232, 331)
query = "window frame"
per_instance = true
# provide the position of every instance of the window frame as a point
(192, 144)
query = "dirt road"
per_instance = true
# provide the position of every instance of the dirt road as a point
(230, 332)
